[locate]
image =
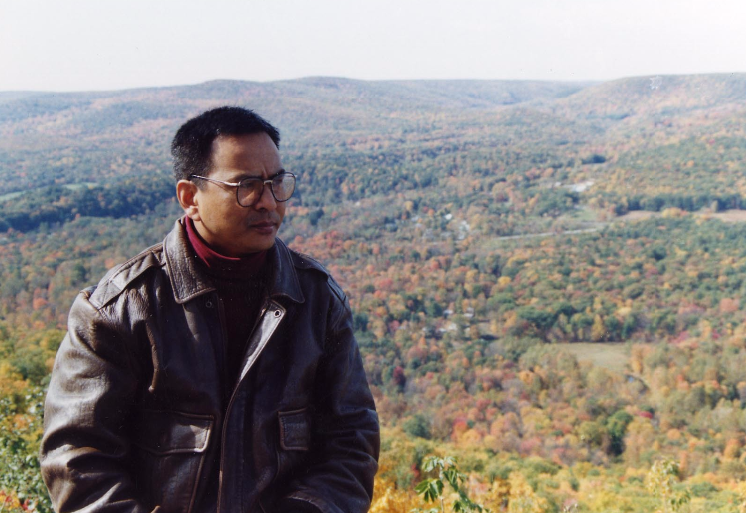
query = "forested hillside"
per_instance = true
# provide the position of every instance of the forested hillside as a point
(548, 278)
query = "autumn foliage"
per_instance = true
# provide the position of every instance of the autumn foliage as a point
(548, 280)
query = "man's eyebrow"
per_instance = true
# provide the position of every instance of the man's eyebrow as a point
(242, 175)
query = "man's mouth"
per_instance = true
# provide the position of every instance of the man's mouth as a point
(264, 227)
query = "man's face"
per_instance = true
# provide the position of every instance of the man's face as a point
(227, 227)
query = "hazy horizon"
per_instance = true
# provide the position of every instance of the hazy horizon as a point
(83, 45)
(527, 80)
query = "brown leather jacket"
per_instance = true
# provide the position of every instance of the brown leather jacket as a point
(136, 417)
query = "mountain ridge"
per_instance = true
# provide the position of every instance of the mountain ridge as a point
(102, 137)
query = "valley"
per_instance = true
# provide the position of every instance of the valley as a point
(548, 279)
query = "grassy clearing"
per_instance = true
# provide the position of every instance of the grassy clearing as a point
(80, 185)
(10, 196)
(609, 355)
(730, 216)
(727, 216)
(70, 187)
(582, 213)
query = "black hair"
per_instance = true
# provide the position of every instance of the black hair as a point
(192, 144)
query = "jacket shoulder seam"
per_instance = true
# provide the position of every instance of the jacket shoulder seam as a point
(316, 265)
(120, 277)
(305, 261)
(100, 312)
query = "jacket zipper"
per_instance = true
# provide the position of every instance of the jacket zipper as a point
(259, 348)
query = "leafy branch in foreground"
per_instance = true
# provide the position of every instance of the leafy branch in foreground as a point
(660, 482)
(21, 486)
(432, 489)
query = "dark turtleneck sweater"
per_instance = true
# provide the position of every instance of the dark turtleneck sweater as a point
(241, 284)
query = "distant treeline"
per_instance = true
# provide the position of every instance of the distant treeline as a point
(59, 204)
(689, 203)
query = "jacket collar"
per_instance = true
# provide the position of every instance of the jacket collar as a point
(285, 283)
(188, 280)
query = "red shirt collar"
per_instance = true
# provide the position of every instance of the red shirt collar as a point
(244, 266)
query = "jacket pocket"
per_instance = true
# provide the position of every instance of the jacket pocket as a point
(169, 454)
(295, 430)
(294, 444)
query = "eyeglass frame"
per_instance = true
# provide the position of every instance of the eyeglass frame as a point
(263, 182)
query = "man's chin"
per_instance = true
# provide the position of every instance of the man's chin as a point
(262, 244)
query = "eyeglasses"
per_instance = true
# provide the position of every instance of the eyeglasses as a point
(249, 190)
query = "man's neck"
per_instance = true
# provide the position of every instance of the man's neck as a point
(243, 266)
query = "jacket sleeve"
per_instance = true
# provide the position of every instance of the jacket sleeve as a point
(346, 436)
(84, 451)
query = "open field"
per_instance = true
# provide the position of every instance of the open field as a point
(637, 215)
(609, 355)
(10, 196)
(728, 216)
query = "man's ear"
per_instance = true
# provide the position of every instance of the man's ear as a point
(186, 192)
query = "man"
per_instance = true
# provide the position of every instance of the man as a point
(216, 371)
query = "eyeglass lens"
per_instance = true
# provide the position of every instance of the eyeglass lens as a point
(250, 189)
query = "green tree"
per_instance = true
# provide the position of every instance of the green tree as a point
(616, 426)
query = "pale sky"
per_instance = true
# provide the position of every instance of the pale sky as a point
(83, 45)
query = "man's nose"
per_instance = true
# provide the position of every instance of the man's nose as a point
(267, 200)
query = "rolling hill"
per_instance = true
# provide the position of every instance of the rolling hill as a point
(472, 224)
